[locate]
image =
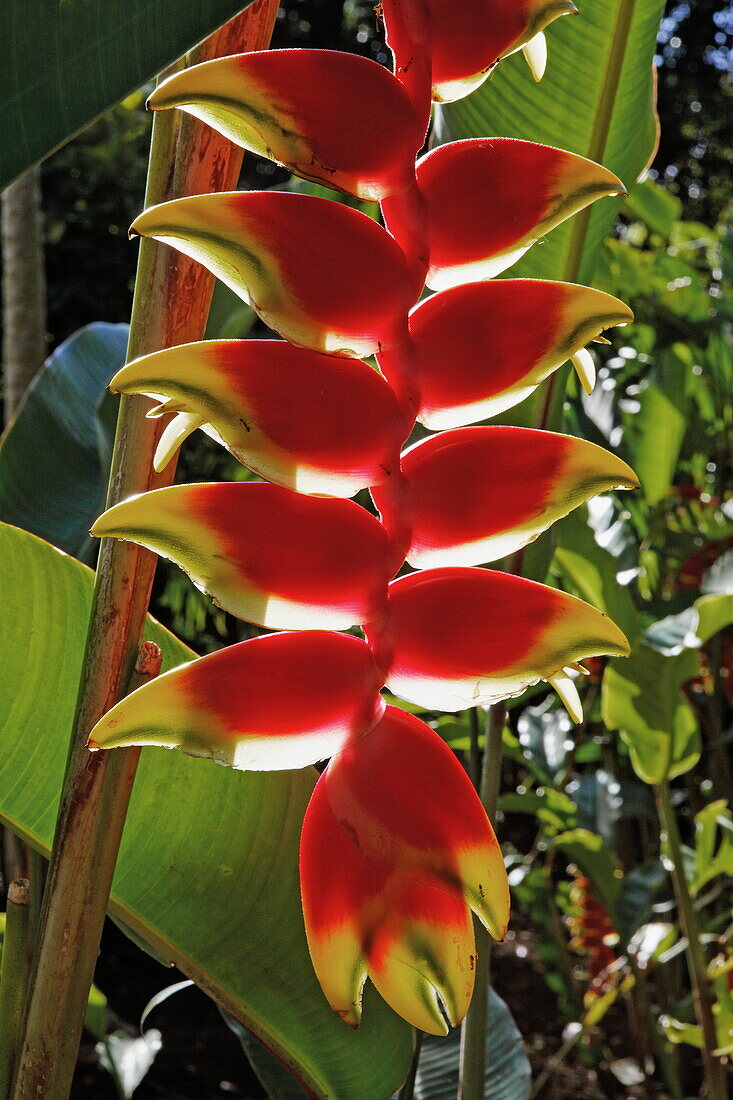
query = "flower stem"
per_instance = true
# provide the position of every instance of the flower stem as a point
(473, 1032)
(701, 992)
(171, 303)
(14, 977)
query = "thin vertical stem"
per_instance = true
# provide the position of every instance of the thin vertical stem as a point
(715, 1074)
(473, 1032)
(24, 287)
(171, 304)
(14, 977)
(408, 1089)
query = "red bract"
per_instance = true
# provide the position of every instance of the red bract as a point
(448, 50)
(270, 556)
(324, 276)
(456, 638)
(396, 846)
(310, 422)
(281, 104)
(280, 701)
(487, 200)
(473, 495)
(501, 339)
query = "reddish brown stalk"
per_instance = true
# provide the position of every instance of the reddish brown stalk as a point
(172, 298)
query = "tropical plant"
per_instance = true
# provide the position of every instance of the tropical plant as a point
(396, 846)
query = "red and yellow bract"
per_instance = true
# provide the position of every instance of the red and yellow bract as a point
(488, 200)
(275, 558)
(498, 634)
(280, 104)
(279, 701)
(309, 422)
(473, 495)
(387, 880)
(324, 276)
(501, 339)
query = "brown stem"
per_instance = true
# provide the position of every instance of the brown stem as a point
(172, 297)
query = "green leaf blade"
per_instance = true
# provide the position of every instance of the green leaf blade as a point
(67, 61)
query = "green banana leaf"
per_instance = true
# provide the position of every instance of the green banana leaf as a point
(596, 99)
(54, 456)
(207, 873)
(67, 61)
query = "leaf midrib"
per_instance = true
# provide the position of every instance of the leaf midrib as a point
(603, 118)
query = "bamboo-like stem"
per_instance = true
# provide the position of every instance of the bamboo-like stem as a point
(24, 287)
(715, 1074)
(14, 977)
(171, 304)
(473, 1032)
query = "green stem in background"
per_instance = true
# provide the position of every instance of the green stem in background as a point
(655, 1040)
(408, 1089)
(715, 1074)
(473, 1032)
(14, 977)
(171, 304)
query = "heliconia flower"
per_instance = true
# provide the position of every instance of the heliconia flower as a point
(458, 637)
(395, 848)
(473, 495)
(489, 199)
(280, 104)
(481, 348)
(272, 557)
(276, 702)
(313, 423)
(459, 49)
(324, 276)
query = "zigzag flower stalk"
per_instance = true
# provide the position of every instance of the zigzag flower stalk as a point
(396, 847)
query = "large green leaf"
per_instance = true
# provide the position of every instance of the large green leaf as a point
(596, 99)
(54, 456)
(641, 697)
(658, 428)
(207, 872)
(589, 571)
(67, 61)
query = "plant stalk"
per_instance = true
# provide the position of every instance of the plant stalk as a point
(170, 306)
(24, 287)
(715, 1074)
(472, 1067)
(14, 976)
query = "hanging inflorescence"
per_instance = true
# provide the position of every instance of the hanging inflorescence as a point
(396, 847)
